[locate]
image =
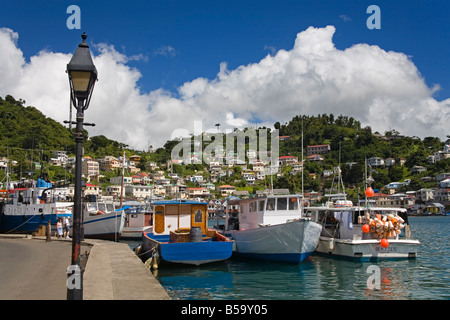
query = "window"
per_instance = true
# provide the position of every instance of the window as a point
(270, 204)
(293, 204)
(253, 206)
(198, 216)
(282, 204)
(261, 205)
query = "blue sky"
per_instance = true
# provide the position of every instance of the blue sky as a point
(171, 42)
(205, 33)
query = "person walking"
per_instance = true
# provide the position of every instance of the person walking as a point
(59, 228)
(66, 227)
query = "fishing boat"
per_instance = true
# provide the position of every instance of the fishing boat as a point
(32, 205)
(137, 220)
(364, 233)
(102, 219)
(272, 227)
(180, 235)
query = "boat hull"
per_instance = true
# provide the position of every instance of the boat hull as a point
(288, 242)
(193, 253)
(368, 250)
(134, 233)
(27, 218)
(105, 226)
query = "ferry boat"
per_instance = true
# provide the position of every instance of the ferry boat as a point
(364, 233)
(33, 205)
(102, 219)
(272, 227)
(180, 235)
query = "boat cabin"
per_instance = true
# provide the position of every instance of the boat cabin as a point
(268, 210)
(347, 222)
(172, 215)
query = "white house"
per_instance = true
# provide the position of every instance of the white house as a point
(390, 162)
(249, 177)
(375, 161)
(139, 192)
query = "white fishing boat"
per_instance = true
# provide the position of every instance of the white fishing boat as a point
(26, 208)
(364, 233)
(272, 227)
(102, 219)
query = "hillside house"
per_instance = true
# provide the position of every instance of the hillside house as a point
(226, 190)
(316, 157)
(417, 169)
(109, 163)
(139, 192)
(318, 149)
(287, 160)
(375, 162)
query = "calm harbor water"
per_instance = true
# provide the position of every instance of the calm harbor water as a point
(426, 277)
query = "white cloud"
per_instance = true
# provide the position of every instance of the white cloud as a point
(166, 51)
(381, 89)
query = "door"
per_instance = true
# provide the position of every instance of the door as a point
(198, 217)
(159, 219)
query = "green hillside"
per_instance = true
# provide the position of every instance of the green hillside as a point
(29, 137)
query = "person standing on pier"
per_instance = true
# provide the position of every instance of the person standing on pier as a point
(59, 228)
(66, 227)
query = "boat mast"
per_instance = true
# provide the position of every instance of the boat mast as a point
(302, 164)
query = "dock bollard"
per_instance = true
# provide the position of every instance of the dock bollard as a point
(48, 232)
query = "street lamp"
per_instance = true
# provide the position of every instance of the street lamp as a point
(82, 77)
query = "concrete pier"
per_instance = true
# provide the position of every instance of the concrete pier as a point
(32, 268)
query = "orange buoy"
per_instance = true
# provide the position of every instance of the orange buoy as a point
(384, 243)
(365, 228)
(369, 192)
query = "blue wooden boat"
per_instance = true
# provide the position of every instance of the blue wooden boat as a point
(180, 235)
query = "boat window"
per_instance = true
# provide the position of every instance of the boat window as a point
(109, 207)
(92, 206)
(282, 204)
(261, 205)
(102, 207)
(253, 206)
(270, 204)
(293, 204)
(198, 216)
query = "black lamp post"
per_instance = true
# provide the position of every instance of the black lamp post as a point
(82, 77)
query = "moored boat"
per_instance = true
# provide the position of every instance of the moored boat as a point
(272, 227)
(33, 205)
(102, 219)
(137, 220)
(180, 235)
(364, 233)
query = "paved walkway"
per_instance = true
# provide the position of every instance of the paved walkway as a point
(33, 269)
(114, 272)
